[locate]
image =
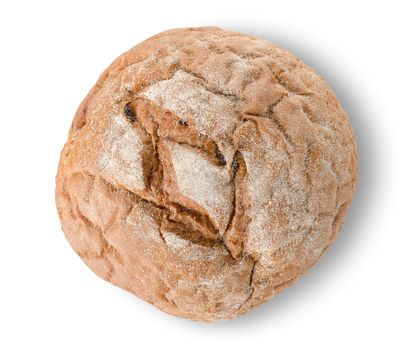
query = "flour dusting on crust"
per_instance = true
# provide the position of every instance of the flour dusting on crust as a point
(120, 161)
(203, 182)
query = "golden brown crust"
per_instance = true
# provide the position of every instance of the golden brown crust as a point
(206, 171)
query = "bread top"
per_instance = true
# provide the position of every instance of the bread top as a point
(226, 147)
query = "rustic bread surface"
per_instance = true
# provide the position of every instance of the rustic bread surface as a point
(205, 172)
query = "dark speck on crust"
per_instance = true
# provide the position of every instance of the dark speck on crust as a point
(129, 113)
(182, 122)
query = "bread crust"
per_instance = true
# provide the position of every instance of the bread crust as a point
(206, 171)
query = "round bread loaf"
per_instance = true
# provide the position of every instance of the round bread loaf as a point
(205, 172)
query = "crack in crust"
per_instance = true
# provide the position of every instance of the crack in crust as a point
(106, 250)
(204, 84)
(235, 234)
(251, 287)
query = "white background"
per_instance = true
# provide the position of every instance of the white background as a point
(52, 53)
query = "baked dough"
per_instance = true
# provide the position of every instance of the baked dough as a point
(205, 172)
